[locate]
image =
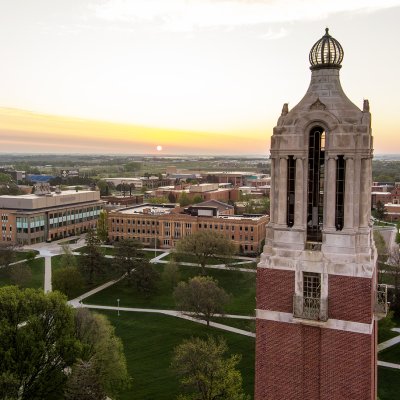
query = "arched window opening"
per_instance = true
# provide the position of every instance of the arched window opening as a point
(315, 194)
(291, 182)
(340, 185)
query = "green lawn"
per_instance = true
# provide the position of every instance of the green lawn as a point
(190, 258)
(99, 280)
(21, 255)
(149, 341)
(388, 383)
(37, 270)
(240, 284)
(245, 324)
(391, 354)
(110, 251)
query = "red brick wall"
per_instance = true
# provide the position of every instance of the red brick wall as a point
(350, 298)
(346, 368)
(299, 362)
(275, 289)
(278, 351)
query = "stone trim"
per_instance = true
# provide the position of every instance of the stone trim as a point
(359, 271)
(337, 324)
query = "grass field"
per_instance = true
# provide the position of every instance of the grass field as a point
(388, 383)
(392, 354)
(21, 255)
(245, 324)
(99, 280)
(110, 251)
(149, 341)
(190, 258)
(37, 278)
(240, 284)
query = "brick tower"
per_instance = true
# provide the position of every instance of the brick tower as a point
(316, 281)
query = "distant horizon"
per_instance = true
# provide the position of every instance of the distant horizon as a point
(190, 76)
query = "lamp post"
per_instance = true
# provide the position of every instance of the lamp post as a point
(118, 306)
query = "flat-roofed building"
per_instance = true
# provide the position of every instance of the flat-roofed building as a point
(168, 223)
(35, 218)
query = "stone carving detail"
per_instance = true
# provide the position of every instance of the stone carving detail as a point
(366, 106)
(318, 105)
(285, 109)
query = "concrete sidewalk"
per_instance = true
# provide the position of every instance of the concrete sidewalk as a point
(173, 313)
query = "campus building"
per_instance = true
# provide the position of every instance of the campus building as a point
(168, 223)
(46, 216)
(316, 280)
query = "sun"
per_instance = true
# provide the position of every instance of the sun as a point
(159, 148)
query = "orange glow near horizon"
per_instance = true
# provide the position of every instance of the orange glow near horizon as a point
(25, 131)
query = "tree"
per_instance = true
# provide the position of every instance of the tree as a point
(7, 254)
(128, 256)
(93, 261)
(380, 211)
(205, 245)
(103, 350)
(201, 296)
(197, 199)
(102, 226)
(171, 197)
(37, 343)
(67, 280)
(157, 200)
(84, 383)
(170, 275)
(205, 372)
(184, 199)
(20, 274)
(145, 277)
(67, 258)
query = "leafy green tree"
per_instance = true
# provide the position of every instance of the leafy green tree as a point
(380, 211)
(170, 275)
(103, 350)
(92, 263)
(7, 254)
(144, 277)
(5, 178)
(205, 245)
(197, 199)
(158, 200)
(84, 383)
(184, 199)
(206, 373)
(20, 274)
(202, 296)
(102, 226)
(37, 343)
(67, 258)
(68, 280)
(128, 256)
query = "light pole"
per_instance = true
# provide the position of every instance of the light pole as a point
(118, 306)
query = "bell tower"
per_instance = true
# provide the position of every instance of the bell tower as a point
(316, 281)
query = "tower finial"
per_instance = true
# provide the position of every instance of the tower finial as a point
(326, 31)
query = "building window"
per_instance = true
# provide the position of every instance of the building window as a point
(315, 193)
(311, 295)
(291, 181)
(340, 184)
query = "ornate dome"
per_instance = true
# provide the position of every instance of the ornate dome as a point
(327, 52)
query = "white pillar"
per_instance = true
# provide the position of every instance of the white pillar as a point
(330, 211)
(348, 194)
(272, 192)
(299, 193)
(282, 204)
(365, 188)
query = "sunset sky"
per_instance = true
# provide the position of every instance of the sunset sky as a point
(192, 76)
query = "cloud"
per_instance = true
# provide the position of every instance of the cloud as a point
(191, 15)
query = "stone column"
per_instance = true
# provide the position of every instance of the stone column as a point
(348, 194)
(365, 188)
(330, 211)
(299, 193)
(272, 192)
(282, 199)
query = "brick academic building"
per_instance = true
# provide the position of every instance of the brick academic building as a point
(169, 223)
(316, 281)
(46, 216)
